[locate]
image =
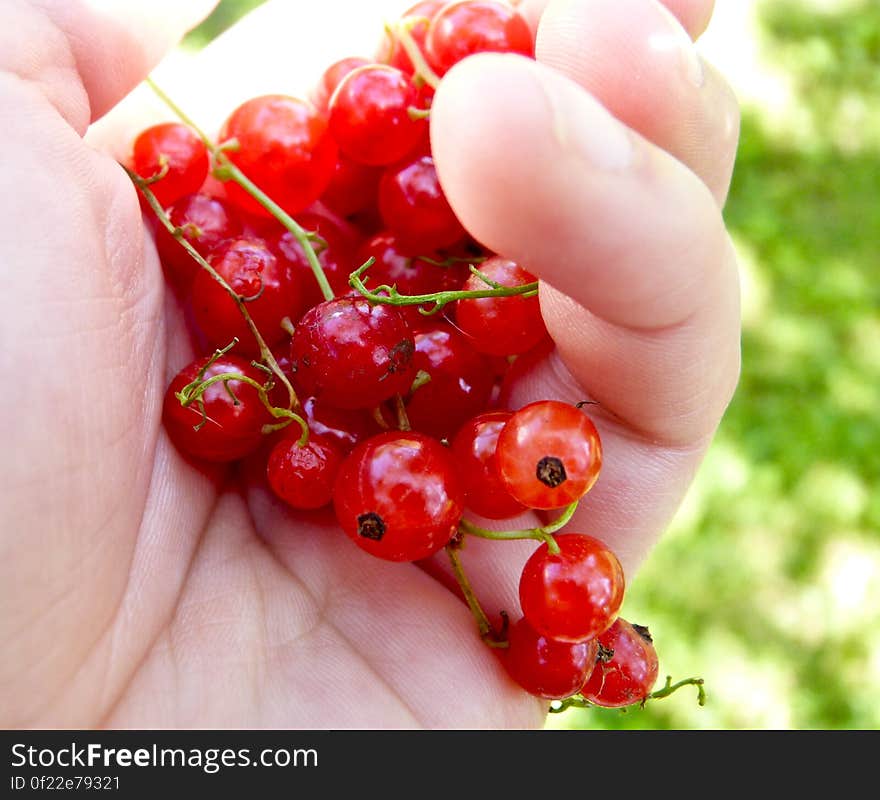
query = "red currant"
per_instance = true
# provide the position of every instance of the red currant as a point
(351, 354)
(175, 152)
(332, 77)
(344, 427)
(474, 450)
(284, 147)
(416, 21)
(227, 425)
(304, 476)
(369, 115)
(501, 326)
(335, 255)
(475, 26)
(544, 667)
(205, 223)
(272, 292)
(460, 382)
(549, 454)
(353, 188)
(398, 497)
(414, 208)
(627, 667)
(575, 594)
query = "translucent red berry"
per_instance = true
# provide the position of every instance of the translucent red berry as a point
(332, 77)
(174, 155)
(575, 594)
(549, 454)
(416, 21)
(627, 667)
(398, 497)
(474, 450)
(205, 223)
(501, 326)
(414, 207)
(475, 26)
(284, 147)
(227, 424)
(351, 354)
(369, 115)
(544, 667)
(304, 475)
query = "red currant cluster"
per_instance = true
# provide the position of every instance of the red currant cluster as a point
(327, 357)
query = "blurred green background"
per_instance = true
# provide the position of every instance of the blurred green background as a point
(767, 583)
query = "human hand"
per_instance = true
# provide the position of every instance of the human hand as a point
(137, 591)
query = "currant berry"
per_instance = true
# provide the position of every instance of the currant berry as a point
(335, 255)
(369, 115)
(474, 450)
(460, 382)
(351, 354)
(501, 326)
(353, 188)
(549, 454)
(416, 21)
(271, 293)
(575, 594)
(332, 77)
(205, 223)
(544, 667)
(304, 475)
(174, 152)
(397, 496)
(475, 26)
(284, 147)
(344, 427)
(414, 207)
(626, 669)
(227, 425)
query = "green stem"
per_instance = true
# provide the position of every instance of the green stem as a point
(487, 632)
(226, 170)
(388, 295)
(420, 66)
(671, 687)
(165, 220)
(542, 534)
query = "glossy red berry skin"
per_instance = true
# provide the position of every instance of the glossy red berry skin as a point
(181, 150)
(252, 271)
(544, 667)
(335, 255)
(627, 668)
(414, 207)
(353, 188)
(369, 115)
(304, 476)
(332, 77)
(501, 326)
(575, 594)
(398, 497)
(231, 430)
(206, 223)
(473, 448)
(417, 20)
(460, 385)
(343, 427)
(351, 354)
(549, 454)
(475, 26)
(285, 148)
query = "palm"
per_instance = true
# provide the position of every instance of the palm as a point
(139, 591)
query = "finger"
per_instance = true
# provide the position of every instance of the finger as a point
(694, 15)
(637, 60)
(87, 55)
(546, 176)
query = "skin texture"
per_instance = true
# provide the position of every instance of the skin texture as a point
(139, 591)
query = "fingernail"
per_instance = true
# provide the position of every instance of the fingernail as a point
(672, 37)
(582, 125)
